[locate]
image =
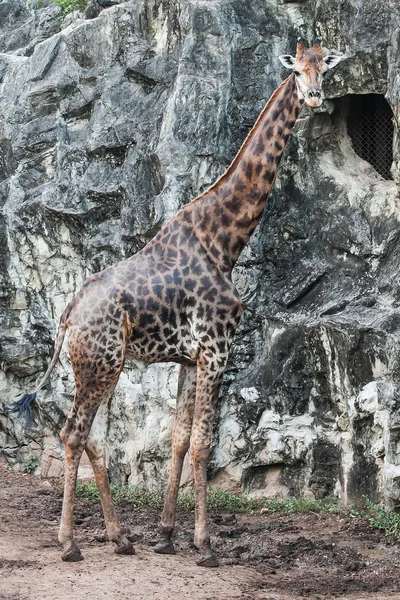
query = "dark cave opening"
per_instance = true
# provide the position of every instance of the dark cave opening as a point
(370, 128)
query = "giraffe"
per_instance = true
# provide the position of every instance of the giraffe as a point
(174, 301)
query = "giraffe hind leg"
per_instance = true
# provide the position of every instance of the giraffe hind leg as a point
(95, 378)
(74, 436)
(96, 451)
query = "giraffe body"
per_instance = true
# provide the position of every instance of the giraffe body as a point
(157, 315)
(174, 301)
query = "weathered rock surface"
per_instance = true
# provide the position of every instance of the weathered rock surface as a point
(108, 125)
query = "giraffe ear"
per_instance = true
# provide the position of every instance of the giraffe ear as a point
(287, 60)
(332, 60)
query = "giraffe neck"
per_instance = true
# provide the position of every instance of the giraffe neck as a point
(225, 216)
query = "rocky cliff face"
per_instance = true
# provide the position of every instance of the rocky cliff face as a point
(109, 124)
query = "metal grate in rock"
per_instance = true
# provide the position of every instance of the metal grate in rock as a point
(370, 127)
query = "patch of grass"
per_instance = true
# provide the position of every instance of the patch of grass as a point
(217, 500)
(186, 500)
(379, 518)
(221, 500)
(88, 491)
(140, 497)
(31, 464)
(302, 505)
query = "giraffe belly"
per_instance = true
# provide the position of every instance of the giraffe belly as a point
(159, 346)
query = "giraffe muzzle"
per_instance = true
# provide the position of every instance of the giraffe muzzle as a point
(314, 98)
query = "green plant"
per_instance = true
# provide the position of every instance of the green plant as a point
(88, 491)
(138, 496)
(221, 500)
(66, 5)
(141, 497)
(33, 3)
(302, 505)
(379, 518)
(217, 500)
(31, 464)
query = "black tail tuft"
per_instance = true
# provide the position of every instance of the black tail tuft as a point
(24, 406)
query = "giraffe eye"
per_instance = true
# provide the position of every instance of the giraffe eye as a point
(296, 73)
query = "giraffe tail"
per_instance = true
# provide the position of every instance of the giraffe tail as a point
(24, 405)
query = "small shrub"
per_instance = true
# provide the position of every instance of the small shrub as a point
(221, 500)
(31, 464)
(379, 518)
(66, 5)
(33, 4)
(186, 500)
(88, 491)
(138, 496)
(69, 5)
(302, 505)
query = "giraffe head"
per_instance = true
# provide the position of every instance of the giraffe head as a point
(309, 67)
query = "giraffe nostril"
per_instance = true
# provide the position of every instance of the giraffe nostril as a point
(314, 94)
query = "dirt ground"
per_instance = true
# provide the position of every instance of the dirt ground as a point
(262, 556)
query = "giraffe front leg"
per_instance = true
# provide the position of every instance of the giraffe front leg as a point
(208, 382)
(96, 451)
(180, 445)
(201, 454)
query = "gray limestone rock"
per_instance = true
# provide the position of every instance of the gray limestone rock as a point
(109, 124)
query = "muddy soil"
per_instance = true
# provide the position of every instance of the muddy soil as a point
(262, 556)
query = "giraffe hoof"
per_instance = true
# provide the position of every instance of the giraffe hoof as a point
(72, 553)
(164, 547)
(125, 548)
(207, 561)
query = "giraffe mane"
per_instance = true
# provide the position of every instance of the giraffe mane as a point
(245, 144)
